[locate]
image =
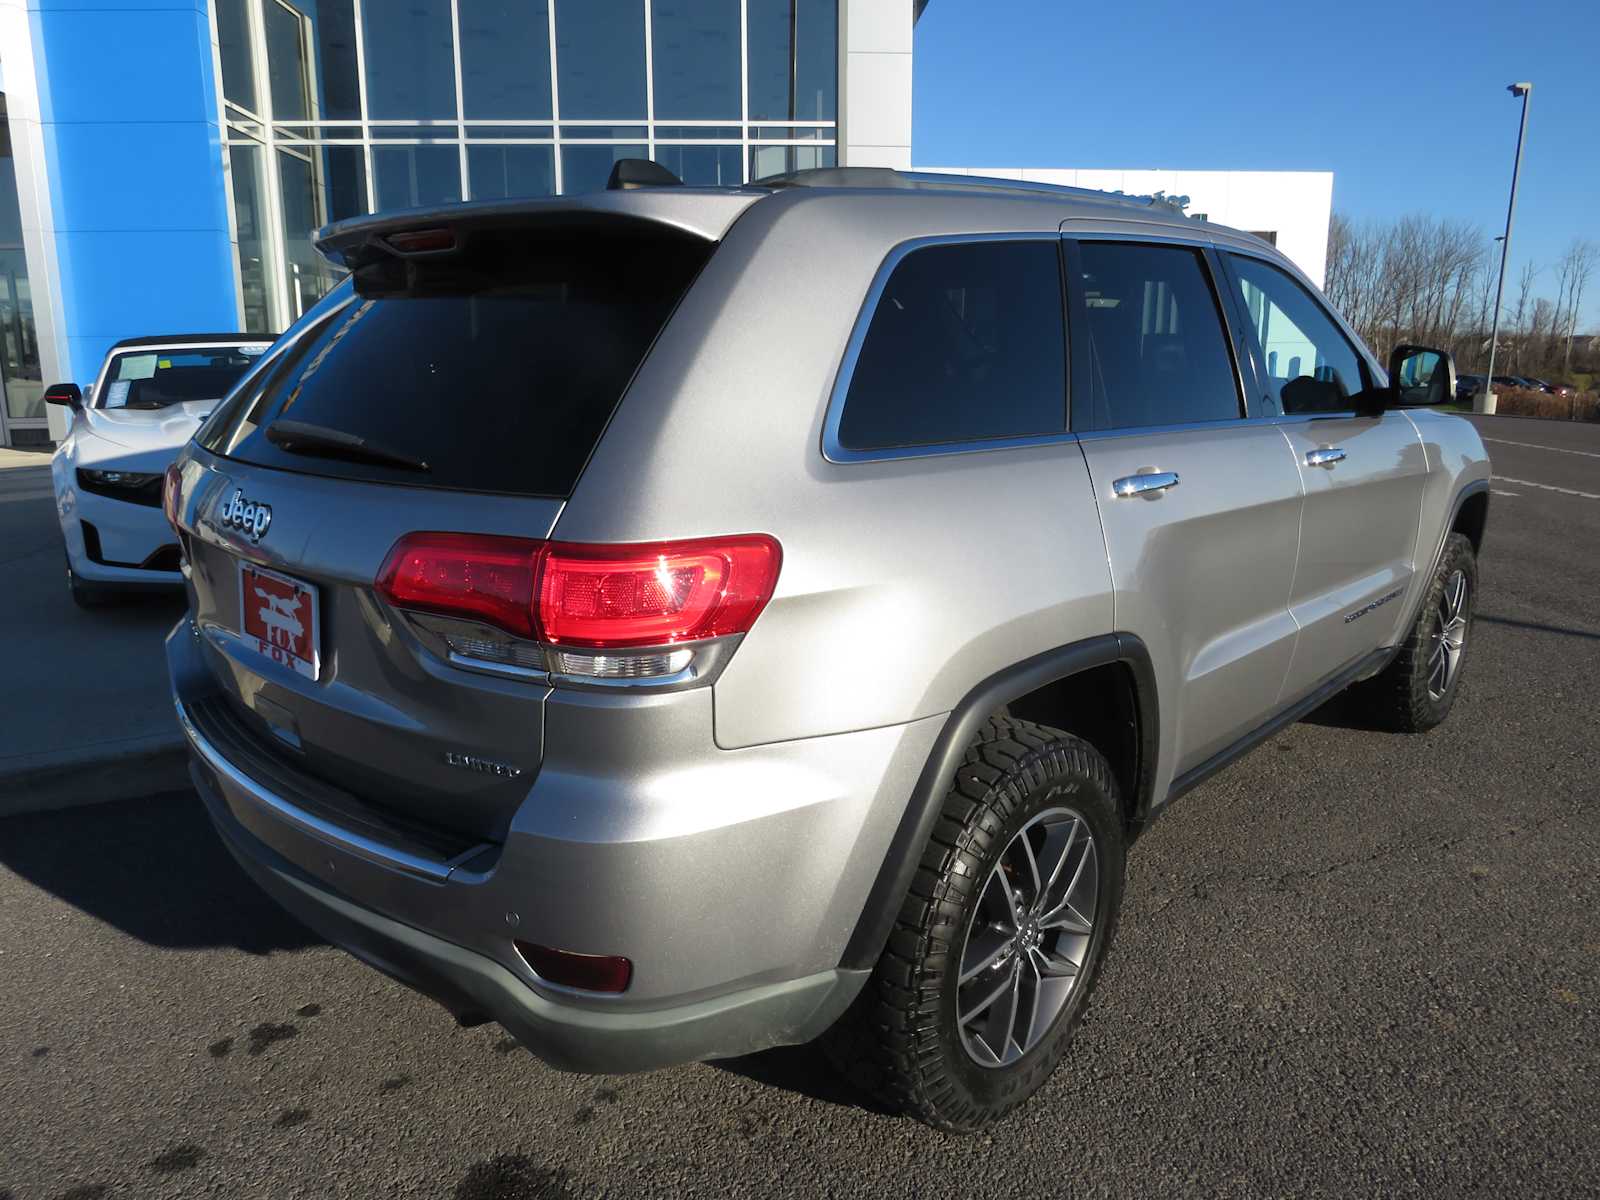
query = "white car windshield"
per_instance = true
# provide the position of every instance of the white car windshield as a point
(156, 378)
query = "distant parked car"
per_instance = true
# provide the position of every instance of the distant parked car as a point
(1468, 386)
(150, 397)
(1510, 381)
(1532, 384)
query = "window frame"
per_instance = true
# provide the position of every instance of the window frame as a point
(1263, 407)
(833, 449)
(1210, 269)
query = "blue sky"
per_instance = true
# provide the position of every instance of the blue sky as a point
(1404, 102)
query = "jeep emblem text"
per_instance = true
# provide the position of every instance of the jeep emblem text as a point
(247, 516)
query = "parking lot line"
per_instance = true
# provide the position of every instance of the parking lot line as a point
(1549, 487)
(1541, 446)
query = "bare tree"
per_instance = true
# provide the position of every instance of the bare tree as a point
(1519, 313)
(1577, 268)
(1415, 279)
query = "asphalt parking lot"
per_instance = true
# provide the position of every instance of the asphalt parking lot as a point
(1354, 963)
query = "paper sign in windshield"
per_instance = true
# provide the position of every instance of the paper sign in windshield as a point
(117, 393)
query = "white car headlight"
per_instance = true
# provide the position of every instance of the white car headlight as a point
(127, 479)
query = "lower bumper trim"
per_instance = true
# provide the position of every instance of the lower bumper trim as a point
(471, 985)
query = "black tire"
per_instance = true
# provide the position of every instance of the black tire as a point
(901, 1040)
(1405, 696)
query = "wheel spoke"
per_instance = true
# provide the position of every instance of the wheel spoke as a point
(1001, 1017)
(1032, 864)
(1003, 908)
(985, 948)
(1060, 905)
(1001, 987)
(1054, 966)
(1029, 982)
(1062, 855)
(1068, 919)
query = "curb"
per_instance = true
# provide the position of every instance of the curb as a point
(119, 771)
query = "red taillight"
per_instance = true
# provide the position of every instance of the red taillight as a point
(171, 484)
(464, 575)
(599, 596)
(591, 972)
(655, 593)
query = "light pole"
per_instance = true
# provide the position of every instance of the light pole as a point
(1485, 400)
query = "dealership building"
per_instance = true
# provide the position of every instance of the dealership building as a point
(164, 163)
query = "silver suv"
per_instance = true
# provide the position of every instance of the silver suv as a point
(673, 622)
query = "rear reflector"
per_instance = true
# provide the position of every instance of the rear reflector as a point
(589, 972)
(587, 596)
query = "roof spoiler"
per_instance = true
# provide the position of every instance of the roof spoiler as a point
(436, 232)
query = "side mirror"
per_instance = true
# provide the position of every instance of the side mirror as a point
(1421, 375)
(64, 393)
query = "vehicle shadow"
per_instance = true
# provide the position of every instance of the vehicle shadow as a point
(152, 868)
(804, 1070)
(1341, 712)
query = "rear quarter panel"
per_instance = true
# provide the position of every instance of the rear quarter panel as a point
(903, 583)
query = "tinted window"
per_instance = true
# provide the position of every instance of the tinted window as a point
(497, 367)
(1156, 351)
(1311, 366)
(965, 343)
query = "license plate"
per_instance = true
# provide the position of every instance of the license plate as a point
(279, 614)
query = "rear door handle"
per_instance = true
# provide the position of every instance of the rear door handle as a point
(1325, 457)
(1146, 483)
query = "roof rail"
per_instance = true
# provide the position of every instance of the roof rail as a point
(887, 177)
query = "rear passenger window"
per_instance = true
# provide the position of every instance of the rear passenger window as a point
(1311, 366)
(1156, 351)
(966, 344)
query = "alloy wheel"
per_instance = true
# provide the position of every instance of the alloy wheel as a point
(1449, 639)
(1029, 939)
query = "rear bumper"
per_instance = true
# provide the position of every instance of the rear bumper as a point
(474, 986)
(731, 879)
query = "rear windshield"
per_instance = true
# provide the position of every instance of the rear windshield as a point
(493, 369)
(157, 378)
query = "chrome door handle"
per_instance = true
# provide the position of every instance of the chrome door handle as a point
(1146, 483)
(1324, 457)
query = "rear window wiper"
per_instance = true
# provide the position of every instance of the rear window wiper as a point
(304, 437)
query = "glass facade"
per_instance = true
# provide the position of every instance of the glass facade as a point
(20, 373)
(336, 108)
